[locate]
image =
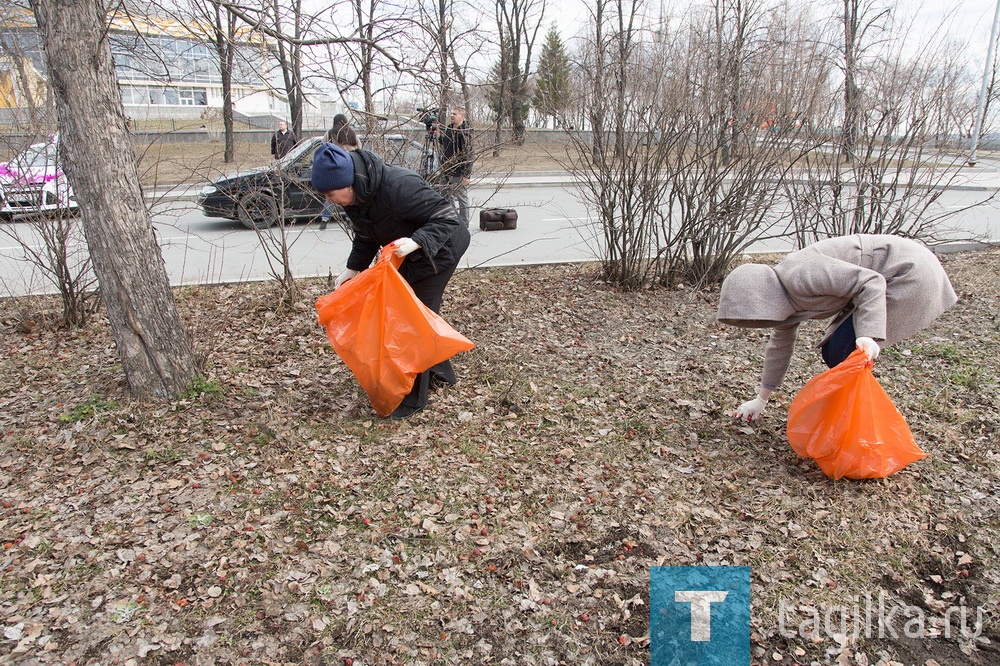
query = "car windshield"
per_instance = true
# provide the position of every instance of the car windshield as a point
(37, 156)
(396, 149)
(303, 147)
(393, 148)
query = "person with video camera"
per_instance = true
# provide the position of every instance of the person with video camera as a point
(456, 162)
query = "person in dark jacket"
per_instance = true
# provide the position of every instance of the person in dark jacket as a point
(456, 164)
(389, 204)
(282, 141)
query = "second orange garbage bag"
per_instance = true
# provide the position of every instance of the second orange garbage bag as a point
(844, 420)
(384, 334)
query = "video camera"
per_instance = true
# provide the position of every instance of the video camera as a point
(429, 117)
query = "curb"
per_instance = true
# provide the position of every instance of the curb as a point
(531, 179)
(954, 247)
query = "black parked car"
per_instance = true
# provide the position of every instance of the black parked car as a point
(260, 197)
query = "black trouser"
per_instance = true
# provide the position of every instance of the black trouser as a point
(457, 192)
(840, 345)
(430, 291)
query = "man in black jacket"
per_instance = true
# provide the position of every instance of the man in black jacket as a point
(456, 163)
(389, 204)
(282, 141)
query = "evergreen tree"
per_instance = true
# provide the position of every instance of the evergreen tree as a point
(508, 95)
(495, 90)
(552, 81)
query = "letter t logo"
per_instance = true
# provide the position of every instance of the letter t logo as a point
(701, 612)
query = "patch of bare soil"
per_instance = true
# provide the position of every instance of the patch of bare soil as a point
(271, 517)
(166, 164)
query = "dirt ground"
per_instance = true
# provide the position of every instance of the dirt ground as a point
(271, 517)
(163, 164)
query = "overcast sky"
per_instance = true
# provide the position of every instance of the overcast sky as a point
(968, 20)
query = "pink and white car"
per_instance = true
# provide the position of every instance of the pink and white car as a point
(33, 183)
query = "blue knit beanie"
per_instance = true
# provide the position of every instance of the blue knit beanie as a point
(333, 168)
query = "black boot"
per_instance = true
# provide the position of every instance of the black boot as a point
(416, 399)
(404, 412)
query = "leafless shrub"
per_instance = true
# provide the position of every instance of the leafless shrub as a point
(681, 174)
(54, 244)
(49, 237)
(265, 210)
(705, 134)
(892, 160)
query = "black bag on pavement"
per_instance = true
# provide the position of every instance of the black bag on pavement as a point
(495, 219)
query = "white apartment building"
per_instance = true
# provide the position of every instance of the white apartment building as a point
(166, 69)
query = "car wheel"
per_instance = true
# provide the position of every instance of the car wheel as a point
(258, 210)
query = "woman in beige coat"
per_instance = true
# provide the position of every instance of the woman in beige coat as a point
(878, 290)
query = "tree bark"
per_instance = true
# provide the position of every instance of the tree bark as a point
(852, 96)
(154, 348)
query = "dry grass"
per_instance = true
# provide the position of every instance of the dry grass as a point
(270, 517)
(164, 164)
(172, 163)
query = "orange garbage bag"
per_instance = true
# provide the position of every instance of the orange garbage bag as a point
(384, 334)
(843, 419)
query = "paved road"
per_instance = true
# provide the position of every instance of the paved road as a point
(553, 226)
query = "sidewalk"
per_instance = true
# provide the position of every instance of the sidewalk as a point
(517, 179)
(983, 177)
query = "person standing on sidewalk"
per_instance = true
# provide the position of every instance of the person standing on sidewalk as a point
(456, 163)
(390, 204)
(282, 141)
(342, 134)
(878, 289)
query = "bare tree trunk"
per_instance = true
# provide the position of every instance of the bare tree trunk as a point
(852, 96)
(517, 26)
(463, 83)
(598, 107)
(442, 58)
(289, 56)
(367, 55)
(225, 47)
(503, 79)
(623, 39)
(155, 351)
(732, 17)
(229, 152)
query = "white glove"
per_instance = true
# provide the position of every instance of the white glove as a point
(869, 346)
(346, 275)
(750, 410)
(404, 246)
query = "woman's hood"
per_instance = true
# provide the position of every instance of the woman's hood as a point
(368, 168)
(752, 296)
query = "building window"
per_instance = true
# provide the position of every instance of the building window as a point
(135, 95)
(164, 96)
